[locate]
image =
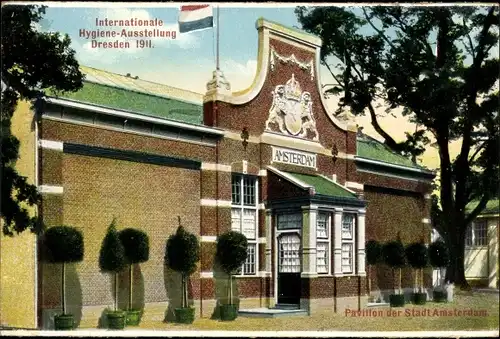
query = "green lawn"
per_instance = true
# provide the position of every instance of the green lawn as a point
(485, 305)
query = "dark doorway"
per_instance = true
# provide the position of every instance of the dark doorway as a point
(289, 267)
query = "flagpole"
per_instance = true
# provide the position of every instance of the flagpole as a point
(217, 40)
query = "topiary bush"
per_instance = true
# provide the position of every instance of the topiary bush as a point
(418, 259)
(112, 256)
(183, 254)
(231, 255)
(393, 254)
(439, 255)
(63, 245)
(373, 257)
(136, 246)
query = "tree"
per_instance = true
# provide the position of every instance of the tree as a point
(439, 256)
(49, 64)
(112, 256)
(417, 255)
(62, 245)
(231, 253)
(436, 64)
(373, 257)
(183, 253)
(136, 246)
(393, 253)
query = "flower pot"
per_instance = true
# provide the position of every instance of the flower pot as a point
(419, 298)
(116, 320)
(439, 296)
(64, 322)
(134, 317)
(184, 315)
(228, 312)
(397, 300)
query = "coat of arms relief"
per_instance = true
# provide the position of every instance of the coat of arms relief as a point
(291, 111)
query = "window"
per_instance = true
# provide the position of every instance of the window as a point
(477, 234)
(289, 221)
(348, 225)
(244, 217)
(323, 243)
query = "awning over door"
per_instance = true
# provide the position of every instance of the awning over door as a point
(316, 189)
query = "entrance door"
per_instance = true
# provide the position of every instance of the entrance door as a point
(289, 269)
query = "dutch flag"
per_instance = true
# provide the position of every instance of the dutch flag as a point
(195, 18)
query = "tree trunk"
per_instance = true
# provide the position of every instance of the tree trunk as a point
(369, 280)
(421, 280)
(230, 299)
(182, 290)
(63, 291)
(455, 271)
(400, 287)
(116, 291)
(131, 283)
(186, 296)
(394, 280)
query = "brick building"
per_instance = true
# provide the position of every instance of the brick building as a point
(272, 162)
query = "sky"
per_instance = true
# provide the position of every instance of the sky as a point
(187, 61)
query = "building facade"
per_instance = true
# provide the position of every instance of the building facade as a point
(272, 162)
(481, 246)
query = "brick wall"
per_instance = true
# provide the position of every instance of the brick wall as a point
(148, 197)
(390, 213)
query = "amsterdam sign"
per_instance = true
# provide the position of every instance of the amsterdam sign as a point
(293, 157)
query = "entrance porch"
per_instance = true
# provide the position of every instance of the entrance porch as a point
(314, 245)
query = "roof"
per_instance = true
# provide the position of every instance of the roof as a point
(492, 207)
(124, 92)
(128, 93)
(323, 186)
(370, 148)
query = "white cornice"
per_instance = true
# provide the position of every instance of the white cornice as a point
(130, 115)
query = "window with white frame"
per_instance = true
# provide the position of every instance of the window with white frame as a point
(477, 234)
(244, 217)
(348, 225)
(323, 243)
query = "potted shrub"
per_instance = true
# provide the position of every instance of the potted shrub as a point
(373, 257)
(183, 253)
(439, 258)
(231, 255)
(136, 245)
(63, 245)
(417, 256)
(112, 260)
(394, 257)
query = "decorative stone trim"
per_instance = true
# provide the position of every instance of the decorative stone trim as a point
(206, 275)
(426, 221)
(48, 189)
(207, 166)
(292, 58)
(141, 157)
(53, 145)
(308, 275)
(355, 185)
(263, 173)
(208, 238)
(215, 203)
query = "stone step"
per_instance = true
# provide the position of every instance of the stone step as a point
(271, 313)
(286, 307)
